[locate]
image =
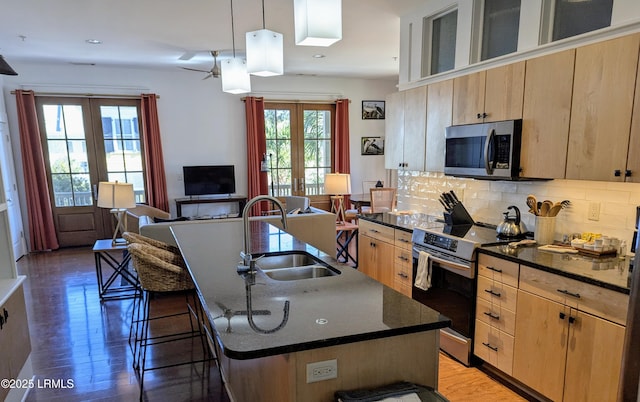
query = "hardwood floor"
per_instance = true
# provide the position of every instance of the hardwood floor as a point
(76, 337)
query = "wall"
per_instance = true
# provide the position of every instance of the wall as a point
(199, 123)
(486, 200)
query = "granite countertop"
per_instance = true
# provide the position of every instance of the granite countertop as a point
(403, 221)
(326, 311)
(608, 272)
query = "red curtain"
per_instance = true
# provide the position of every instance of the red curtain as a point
(42, 232)
(342, 159)
(256, 150)
(154, 160)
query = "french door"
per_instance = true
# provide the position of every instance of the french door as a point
(85, 141)
(299, 149)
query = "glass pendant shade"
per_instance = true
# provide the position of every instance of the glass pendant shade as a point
(5, 68)
(235, 79)
(264, 53)
(317, 22)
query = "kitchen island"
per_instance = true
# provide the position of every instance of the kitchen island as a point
(269, 331)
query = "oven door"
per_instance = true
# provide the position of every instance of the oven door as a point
(452, 293)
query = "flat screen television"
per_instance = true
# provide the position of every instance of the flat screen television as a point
(209, 180)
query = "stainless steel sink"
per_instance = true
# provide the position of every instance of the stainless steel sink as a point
(293, 266)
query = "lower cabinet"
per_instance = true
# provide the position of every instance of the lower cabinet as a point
(375, 259)
(14, 338)
(566, 354)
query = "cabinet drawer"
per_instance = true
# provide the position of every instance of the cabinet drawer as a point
(402, 257)
(497, 293)
(496, 316)
(403, 286)
(403, 239)
(605, 303)
(494, 347)
(498, 269)
(380, 232)
(402, 274)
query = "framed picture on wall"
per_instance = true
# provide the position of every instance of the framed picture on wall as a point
(372, 110)
(372, 146)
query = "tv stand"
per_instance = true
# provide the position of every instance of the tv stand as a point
(240, 199)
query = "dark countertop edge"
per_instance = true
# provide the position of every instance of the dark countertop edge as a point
(545, 268)
(323, 343)
(370, 218)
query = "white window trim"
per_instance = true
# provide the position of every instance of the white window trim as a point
(427, 35)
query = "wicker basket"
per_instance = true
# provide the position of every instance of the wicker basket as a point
(156, 272)
(131, 237)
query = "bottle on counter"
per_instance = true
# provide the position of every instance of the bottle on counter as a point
(622, 249)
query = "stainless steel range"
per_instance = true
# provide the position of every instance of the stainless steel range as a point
(451, 255)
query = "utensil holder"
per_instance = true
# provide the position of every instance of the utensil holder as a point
(545, 229)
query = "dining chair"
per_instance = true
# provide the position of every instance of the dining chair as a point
(383, 199)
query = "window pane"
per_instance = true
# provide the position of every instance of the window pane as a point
(501, 22)
(81, 190)
(53, 121)
(73, 121)
(576, 17)
(443, 42)
(62, 192)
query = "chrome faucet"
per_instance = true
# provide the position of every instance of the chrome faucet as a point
(247, 260)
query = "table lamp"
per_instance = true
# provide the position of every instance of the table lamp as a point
(117, 197)
(337, 185)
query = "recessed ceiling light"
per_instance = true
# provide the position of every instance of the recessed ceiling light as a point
(93, 41)
(318, 56)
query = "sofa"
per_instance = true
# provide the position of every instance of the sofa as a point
(316, 227)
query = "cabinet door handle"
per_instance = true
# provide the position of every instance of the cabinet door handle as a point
(403, 275)
(491, 315)
(403, 258)
(566, 292)
(492, 293)
(627, 173)
(562, 316)
(495, 269)
(374, 231)
(405, 241)
(617, 173)
(572, 319)
(494, 348)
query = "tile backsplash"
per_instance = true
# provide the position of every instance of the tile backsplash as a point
(487, 200)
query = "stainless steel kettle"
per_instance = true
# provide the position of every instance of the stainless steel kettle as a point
(511, 226)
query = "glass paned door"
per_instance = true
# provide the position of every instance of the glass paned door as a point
(86, 141)
(299, 148)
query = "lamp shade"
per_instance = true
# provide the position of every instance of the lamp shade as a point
(116, 195)
(264, 53)
(235, 79)
(317, 22)
(337, 183)
(5, 68)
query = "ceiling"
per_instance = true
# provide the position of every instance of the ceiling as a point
(156, 33)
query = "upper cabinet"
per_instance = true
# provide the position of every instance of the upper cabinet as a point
(632, 174)
(439, 117)
(492, 95)
(405, 127)
(546, 113)
(603, 94)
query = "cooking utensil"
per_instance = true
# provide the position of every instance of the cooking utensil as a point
(511, 226)
(555, 209)
(532, 203)
(565, 203)
(558, 249)
(455, 197)
(450, 199)
(544, 209)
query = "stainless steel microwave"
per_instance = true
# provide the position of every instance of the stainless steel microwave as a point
(484, 150)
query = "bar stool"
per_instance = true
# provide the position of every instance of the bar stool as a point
(159, 275)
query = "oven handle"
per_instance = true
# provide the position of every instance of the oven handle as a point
(446, 264)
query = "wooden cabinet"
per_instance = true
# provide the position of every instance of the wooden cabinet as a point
(403, 266)
(384, 254)
(603, 94)
(496, 311)
(405, 128)
(14, 337)
(560, 350)
(439, 117)
(546, 113)
(632, 174)
(491, 95)
(375, 251)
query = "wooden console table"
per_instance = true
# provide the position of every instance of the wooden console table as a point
(241, 200)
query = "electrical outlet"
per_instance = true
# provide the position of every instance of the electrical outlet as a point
(320, 371)
(594, 211)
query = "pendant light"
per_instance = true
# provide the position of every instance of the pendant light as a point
(5, 68)
(264, 51)
(317, 22)
(235, 79)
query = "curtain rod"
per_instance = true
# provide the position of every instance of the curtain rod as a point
(328, 101)
(86, 95)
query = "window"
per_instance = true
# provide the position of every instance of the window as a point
(567, 18)
(439, 43)
(299, 146)
(500, 26)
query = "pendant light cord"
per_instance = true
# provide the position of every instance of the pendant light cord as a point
(263, 25)
(233, 35)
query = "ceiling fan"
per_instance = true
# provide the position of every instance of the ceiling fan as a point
(215, 70)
